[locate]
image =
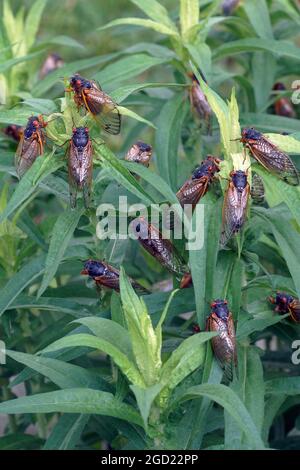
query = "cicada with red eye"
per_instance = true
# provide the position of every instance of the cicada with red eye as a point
(228, 6)
(286, 303)
(89, 95)
(283, 106)
(160, 248)
(53, 62)
(80, 165)
(197, 186)
(107, 276)
(14, 131)
(220, 320)
(269, 156)
(199, 103)
(235, 205)
(31, 144)
(140, 152)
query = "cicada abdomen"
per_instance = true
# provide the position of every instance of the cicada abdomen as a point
(140, 152)
(80, 165)
(220, 320)
(235, 205)
(107, 276)
(269, 156)
(88, 94)
(286, 303)
(199, 103)
(197, 186)
(257, 189)
(14, 131)
(283, 106)
(31, 144)
(52, 62)
(161, 249)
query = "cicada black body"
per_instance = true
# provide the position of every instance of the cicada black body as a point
(107, 276)
(161, 249)
(197, 186)
(283, 106)
(199, 102)
(53, 62)
(235, 205)
(31, 144)
(14, 131)
(224, 345)
(228, 6)
(286, 303)
(257, 189)
(139, 153)
(269, 156)
(88, 94)
(80, 165)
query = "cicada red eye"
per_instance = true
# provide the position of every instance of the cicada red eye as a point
(36, 123)
(74, 130)
(86, 129)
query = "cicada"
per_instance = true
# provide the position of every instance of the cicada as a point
(161, 249)
(199, 102)
(107, 276)
(257, 189)
(53, 62)
(224, 345)
(139, 153)
(88, 94)
(197, 186)
(283, 106)
(235, 205)
(31, 144)
(286, 303)
(14, 131)
(228, 6)
(269, 156)
(80, 165)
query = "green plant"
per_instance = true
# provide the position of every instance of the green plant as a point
(132, 373)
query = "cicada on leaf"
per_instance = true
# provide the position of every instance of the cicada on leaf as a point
(107, 276)
(14, 131)
(160, 248)
(31, 144)
(140, 152)
(235, 205)
(199, 103)
(270, 156)
(283, 106)
(197, 186)
(89, 95)
(80, 165)
(286, 303)
(220, 320)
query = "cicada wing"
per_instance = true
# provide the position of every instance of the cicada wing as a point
(224, 345)
(192, 191)
(26, 154)
(234, 212)
(88, 169)
(109, 280)
(275, 160)
(73, 162)
(104, 110)
(295, 310)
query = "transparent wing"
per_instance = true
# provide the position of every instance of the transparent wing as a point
(26, 154)
(234, 211)
(103, 109)
(192, 191)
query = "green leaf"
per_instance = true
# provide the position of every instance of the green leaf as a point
(74, 400)
(42, 167)
(155, 11)
(122, 93)
(63, 374)
(65, 41)
(8, 64)
(112, 350)
(283, 385)
(51, 304)
(145, 398)
(32, 22)
(159, 27)
(278, 48)
(24, 277)
(270, 123)
(258, 15)
(189, 15)
(226, 398)
(168, 136)
(18, 441)
(67, 431)
(62, 233)
(133, 115)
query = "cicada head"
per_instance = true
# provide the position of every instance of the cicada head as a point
(239, 179)
(220, 308)
(33, 124)
(279, 87)
(80, 137)
(78, 83)
(283, 301)
(93, 268)
(249, 133)
(140, 152)
(208, 168)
